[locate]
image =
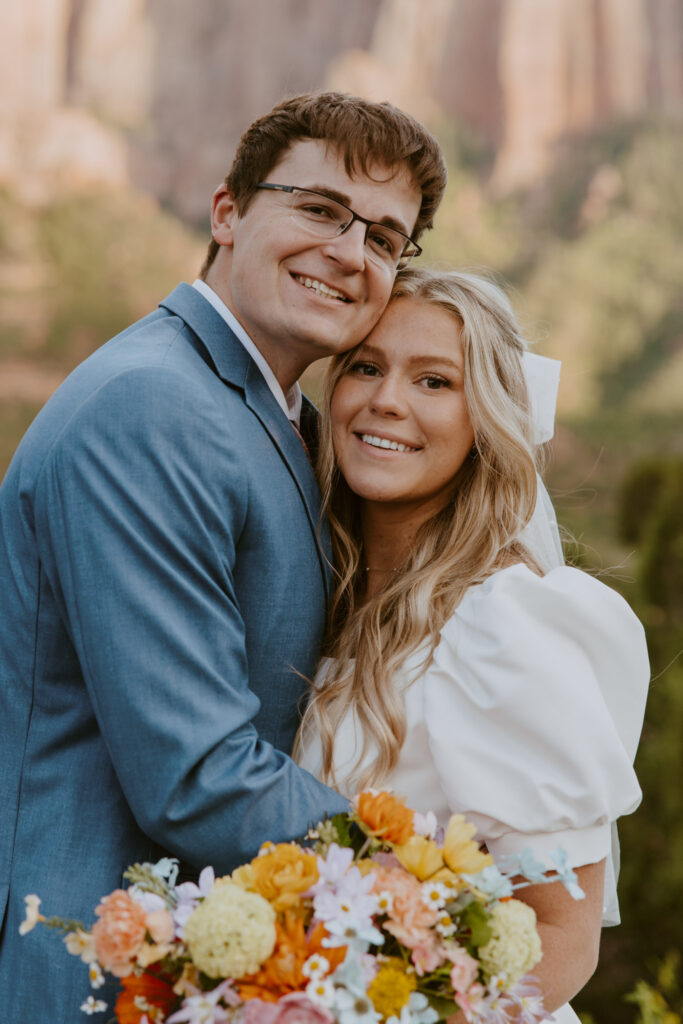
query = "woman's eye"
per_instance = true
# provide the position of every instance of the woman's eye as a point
(433, 383)
(363, 369)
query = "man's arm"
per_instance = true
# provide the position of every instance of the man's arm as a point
(138, 509)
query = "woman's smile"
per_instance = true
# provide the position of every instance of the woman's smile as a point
(384, 443)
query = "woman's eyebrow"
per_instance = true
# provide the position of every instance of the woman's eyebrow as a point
(414, 361)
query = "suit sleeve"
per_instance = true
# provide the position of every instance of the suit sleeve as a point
(137, 538)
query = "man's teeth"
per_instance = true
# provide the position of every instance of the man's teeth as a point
(384, 442)
(320, 287)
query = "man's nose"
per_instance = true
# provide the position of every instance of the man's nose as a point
(348, 248)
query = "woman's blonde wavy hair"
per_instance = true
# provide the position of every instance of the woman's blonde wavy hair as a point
(475, 535)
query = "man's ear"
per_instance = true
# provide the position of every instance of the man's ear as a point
(223, 216)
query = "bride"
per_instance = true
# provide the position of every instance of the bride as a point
(463, 671)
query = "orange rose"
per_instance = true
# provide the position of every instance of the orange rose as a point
(386, 817)
(119, 932)
(282, 972)
(283, 874)
(147, 987)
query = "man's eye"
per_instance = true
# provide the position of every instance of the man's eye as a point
(381, 242)
(318, 211)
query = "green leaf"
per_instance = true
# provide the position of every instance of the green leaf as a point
(476, 918)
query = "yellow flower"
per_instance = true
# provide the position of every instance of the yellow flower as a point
(244, 877)
(390, 989)
(80, 943)
(422, 857)
(365, 866)
(152, 953)
(283, 874)
(188, 981)
(460, 852)
(514, 947)
(231, 932)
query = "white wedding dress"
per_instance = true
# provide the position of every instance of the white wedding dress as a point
(526, 720)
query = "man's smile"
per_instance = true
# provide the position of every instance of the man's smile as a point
(320, 288)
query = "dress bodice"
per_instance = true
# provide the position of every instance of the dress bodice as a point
(525, 719)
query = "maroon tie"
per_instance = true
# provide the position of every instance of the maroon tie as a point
(303, 443)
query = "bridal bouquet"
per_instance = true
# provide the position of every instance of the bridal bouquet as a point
(382, 919)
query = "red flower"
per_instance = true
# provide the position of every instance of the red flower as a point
(150, 987)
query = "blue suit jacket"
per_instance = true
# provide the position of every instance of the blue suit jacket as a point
(162, 585)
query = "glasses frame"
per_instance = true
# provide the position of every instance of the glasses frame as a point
(403, 259)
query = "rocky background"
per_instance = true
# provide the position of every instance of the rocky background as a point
(155, 93)
(562, 124)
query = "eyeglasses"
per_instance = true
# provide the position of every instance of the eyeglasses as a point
(328, 218)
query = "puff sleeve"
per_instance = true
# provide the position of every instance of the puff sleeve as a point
(534, 703)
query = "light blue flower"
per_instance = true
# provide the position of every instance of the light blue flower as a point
(347, 930)
(416, 1011)
(166, 868)
(567, 875)
(351, 973)
(492, 882)
(354, 1008)
(524, 864)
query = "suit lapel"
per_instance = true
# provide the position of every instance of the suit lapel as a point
(233, 364)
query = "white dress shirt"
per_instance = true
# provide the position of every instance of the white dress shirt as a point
(290, 403)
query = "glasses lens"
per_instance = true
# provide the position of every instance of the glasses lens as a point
(327, 218)
(317, 213)
(407, 255)
(386, 245)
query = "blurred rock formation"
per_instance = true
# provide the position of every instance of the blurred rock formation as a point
(156, 92)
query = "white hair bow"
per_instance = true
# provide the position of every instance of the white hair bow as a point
(543, 380)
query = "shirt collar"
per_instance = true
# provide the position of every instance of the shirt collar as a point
(289, 403)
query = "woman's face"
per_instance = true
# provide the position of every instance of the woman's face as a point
(401, 429)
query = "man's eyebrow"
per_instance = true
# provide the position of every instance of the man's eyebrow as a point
(341, 197)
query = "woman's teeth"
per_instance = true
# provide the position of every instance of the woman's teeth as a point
(320, 287)
(384, 442)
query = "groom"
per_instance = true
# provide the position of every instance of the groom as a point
(163, 569)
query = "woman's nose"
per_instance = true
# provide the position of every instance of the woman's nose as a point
(387, 397)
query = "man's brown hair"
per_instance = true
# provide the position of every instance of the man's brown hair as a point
(362, 132)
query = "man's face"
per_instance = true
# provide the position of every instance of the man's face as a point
(269, 269)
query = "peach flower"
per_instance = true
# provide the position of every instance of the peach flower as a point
(428, 953)
(385, 816)
(410, 919)
(160, 926)
(464, 970)
(119, 933)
